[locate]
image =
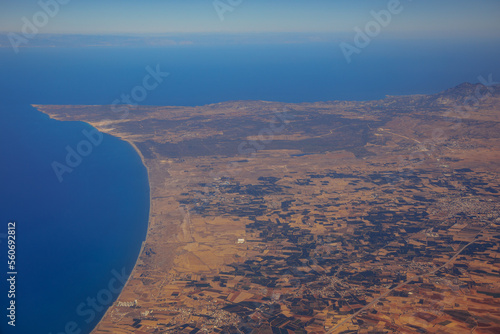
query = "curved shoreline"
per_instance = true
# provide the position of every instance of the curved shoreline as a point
(147, 228)
(143, 160)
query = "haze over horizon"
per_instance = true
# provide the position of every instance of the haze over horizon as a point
(417, 19)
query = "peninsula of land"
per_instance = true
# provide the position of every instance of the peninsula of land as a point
(328, 217)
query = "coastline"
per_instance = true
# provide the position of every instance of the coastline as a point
(147, 230)
(143, 160)
(271, 238)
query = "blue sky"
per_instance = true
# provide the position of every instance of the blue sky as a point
(472, 18)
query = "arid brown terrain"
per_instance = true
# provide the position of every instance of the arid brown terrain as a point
(328, 217)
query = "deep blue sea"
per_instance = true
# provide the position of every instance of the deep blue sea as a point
(74, 236)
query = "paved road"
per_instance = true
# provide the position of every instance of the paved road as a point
(367, 306)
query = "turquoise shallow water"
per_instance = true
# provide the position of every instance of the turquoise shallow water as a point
(75, 237)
